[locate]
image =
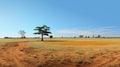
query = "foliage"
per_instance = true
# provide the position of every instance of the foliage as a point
(43, 30)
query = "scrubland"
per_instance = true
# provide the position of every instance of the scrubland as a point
(60, 52)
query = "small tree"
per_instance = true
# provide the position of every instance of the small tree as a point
(43, 30)
(93, 36)
(99, 36)
(22, 33)
(88, 36)
(81, 36)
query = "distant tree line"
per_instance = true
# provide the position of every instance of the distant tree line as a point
(82, 36)
(45, 30)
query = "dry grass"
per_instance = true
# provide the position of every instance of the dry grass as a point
(82, 52)
(66, 52)
(81, 42)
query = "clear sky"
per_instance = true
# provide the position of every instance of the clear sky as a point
(65, 17)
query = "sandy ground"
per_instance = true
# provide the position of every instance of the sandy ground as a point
(19, 54)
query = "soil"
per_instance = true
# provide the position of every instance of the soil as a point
(19, 54)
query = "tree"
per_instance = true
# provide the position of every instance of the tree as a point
(99, 36)
(81, 36)
(88, 36)
(93, 36)
(43, 30)
(22, 33)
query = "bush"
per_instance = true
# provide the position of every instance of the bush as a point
(51, 36)
(6, 37)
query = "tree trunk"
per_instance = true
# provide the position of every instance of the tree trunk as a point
(41, 37)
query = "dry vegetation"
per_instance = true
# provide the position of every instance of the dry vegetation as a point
(60, 52)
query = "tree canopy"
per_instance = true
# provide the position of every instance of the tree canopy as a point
(43, 30)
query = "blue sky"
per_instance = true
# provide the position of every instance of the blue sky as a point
(65, 17)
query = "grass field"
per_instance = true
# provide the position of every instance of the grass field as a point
(76, 42)
(61, 52)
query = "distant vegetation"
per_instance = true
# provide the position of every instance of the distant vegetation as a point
(51, 36)
(22, 33)
(45, 30)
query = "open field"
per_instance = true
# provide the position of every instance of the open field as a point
(60, 52)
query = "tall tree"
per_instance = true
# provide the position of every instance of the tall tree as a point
(43, 30)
